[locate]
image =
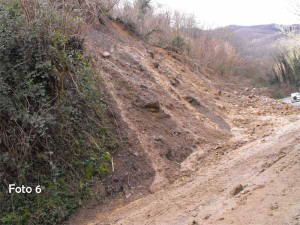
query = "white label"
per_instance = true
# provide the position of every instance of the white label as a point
(12, 188)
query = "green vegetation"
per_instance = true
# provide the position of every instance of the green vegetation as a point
(52, 128)
(178, 42)
(287, 70)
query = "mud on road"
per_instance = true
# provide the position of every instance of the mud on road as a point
(257, 183)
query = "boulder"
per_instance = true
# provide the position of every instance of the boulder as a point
(192, 100)
(156, 65)
(147, 101)
(106, 54)
(175, 82)
(236, 190)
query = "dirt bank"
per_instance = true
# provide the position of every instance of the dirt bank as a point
(217, 154)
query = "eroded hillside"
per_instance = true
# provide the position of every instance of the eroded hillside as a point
(190, 139)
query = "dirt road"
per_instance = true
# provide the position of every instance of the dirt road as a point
(288, 100)
(255, 184)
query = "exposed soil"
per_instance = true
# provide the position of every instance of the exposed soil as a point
(197, 151)
(268, 172)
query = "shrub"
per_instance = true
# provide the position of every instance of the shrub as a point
(287, 69)
(51, 118)
(178, 42)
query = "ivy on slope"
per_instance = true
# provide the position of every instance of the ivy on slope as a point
(52, 130)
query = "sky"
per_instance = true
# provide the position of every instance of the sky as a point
(217, 13)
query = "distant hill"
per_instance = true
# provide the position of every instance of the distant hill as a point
(261, 28)
(259, 40)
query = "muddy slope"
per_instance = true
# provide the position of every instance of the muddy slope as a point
(169, 108)
(255, 184)
(183, 129)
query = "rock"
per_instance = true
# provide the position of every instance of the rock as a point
(156, 65)
(222, 107)
(274, 206)
(105, 54)
(175, 82)
(144, 87)
(236, 190)
(207, 216)
(141, 68)
(153, 106)
(147, 101)
(170, 155)
(128, 195)
(219, 93)
(158, 138)
(192, 100)
(245, 192)
(176, 132)
(136, 154)
(151, 54)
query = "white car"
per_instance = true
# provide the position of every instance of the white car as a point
(295, 97)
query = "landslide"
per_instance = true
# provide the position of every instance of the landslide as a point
(176, 119)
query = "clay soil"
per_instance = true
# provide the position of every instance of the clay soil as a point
(193, 148)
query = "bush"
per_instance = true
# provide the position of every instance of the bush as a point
(51, 119)
(178, 42)
(287, 69)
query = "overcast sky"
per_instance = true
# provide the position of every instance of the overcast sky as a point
(236, 12)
